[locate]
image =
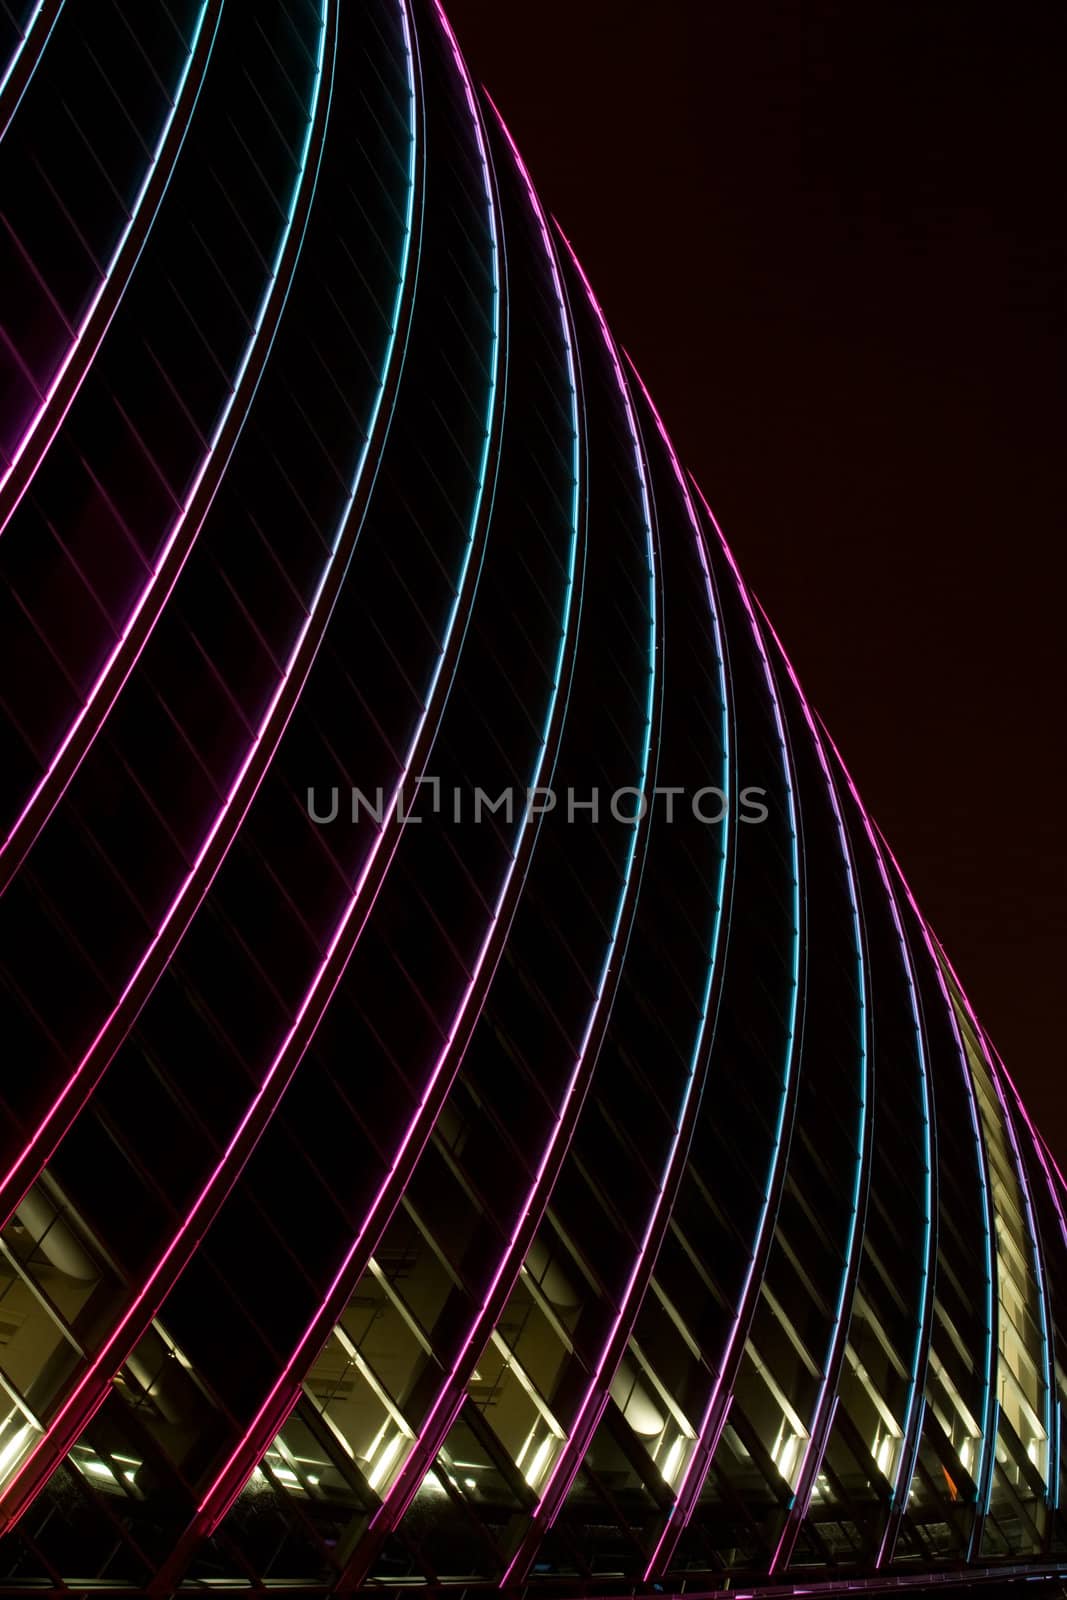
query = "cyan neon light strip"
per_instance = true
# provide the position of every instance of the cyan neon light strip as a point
(116, 256)
(27, 34)
(223, 1490)
(191, 884)
(913, 1398)
(282, 1067)
(1040, 1284)
(32, 27)
(689, 1485)
(1040, 1287)
(596, 1395)
(808, 1467)
(445, 1404)
(1046, 1164)
(117, 668)
(984, 1474)
(546, 1500)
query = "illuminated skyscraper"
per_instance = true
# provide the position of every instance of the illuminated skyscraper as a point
(480, 1103)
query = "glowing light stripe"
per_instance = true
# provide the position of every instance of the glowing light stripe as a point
(223, 1490)
(913, 1405)
(1049, 1171)
(711, 1423)
(992, 1061)
(1040, 1284)
(596, 1396)
(985, 1467)
(26, 34)
(447, 1402)
(73, 348)
(191, 884)
(118, 665)
(819, 1426)
(16, 57)
(557, 1471)
(1042, 1152)
(279, 1074)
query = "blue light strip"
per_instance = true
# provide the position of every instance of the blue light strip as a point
(592, 1405)
(913, 1405)
(693, 1475)
(228, 1482)
(808, 1467)
(563, 1468)
(556, 712)
(984, 1475)
(1040, 1287)
(987, 1463)
(131, 219)
(1040, 1284)
(442, 1409)
(274, 1079)
(120, 671)
(39, 45)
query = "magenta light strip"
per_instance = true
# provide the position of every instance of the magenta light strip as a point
(323, 984)
(120, 663)
(88, 334)
(912, 1407)
(191, 889)
(818, 1432)
(276, 1407)
(984, 1475)
(545, 1503)
(711, 1425)
(1040, 1284)
(1044, 1155)
(597, 1392)
(447, 1402)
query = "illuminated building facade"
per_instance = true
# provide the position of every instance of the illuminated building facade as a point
(480, 1103)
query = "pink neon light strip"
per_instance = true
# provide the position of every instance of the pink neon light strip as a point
(819, 1426)
(118, 666)
(596, 1395)
(232, 1161)
(992, 1061)
(243, 1458)
(914, 1404)
(689, 1483)
(447, 1403)
(189, 894)
(87, 334)
(989, 1405)
(556, 1471)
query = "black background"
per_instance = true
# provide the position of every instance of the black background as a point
(831, 235)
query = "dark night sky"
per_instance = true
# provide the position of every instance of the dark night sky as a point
(831, 235)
